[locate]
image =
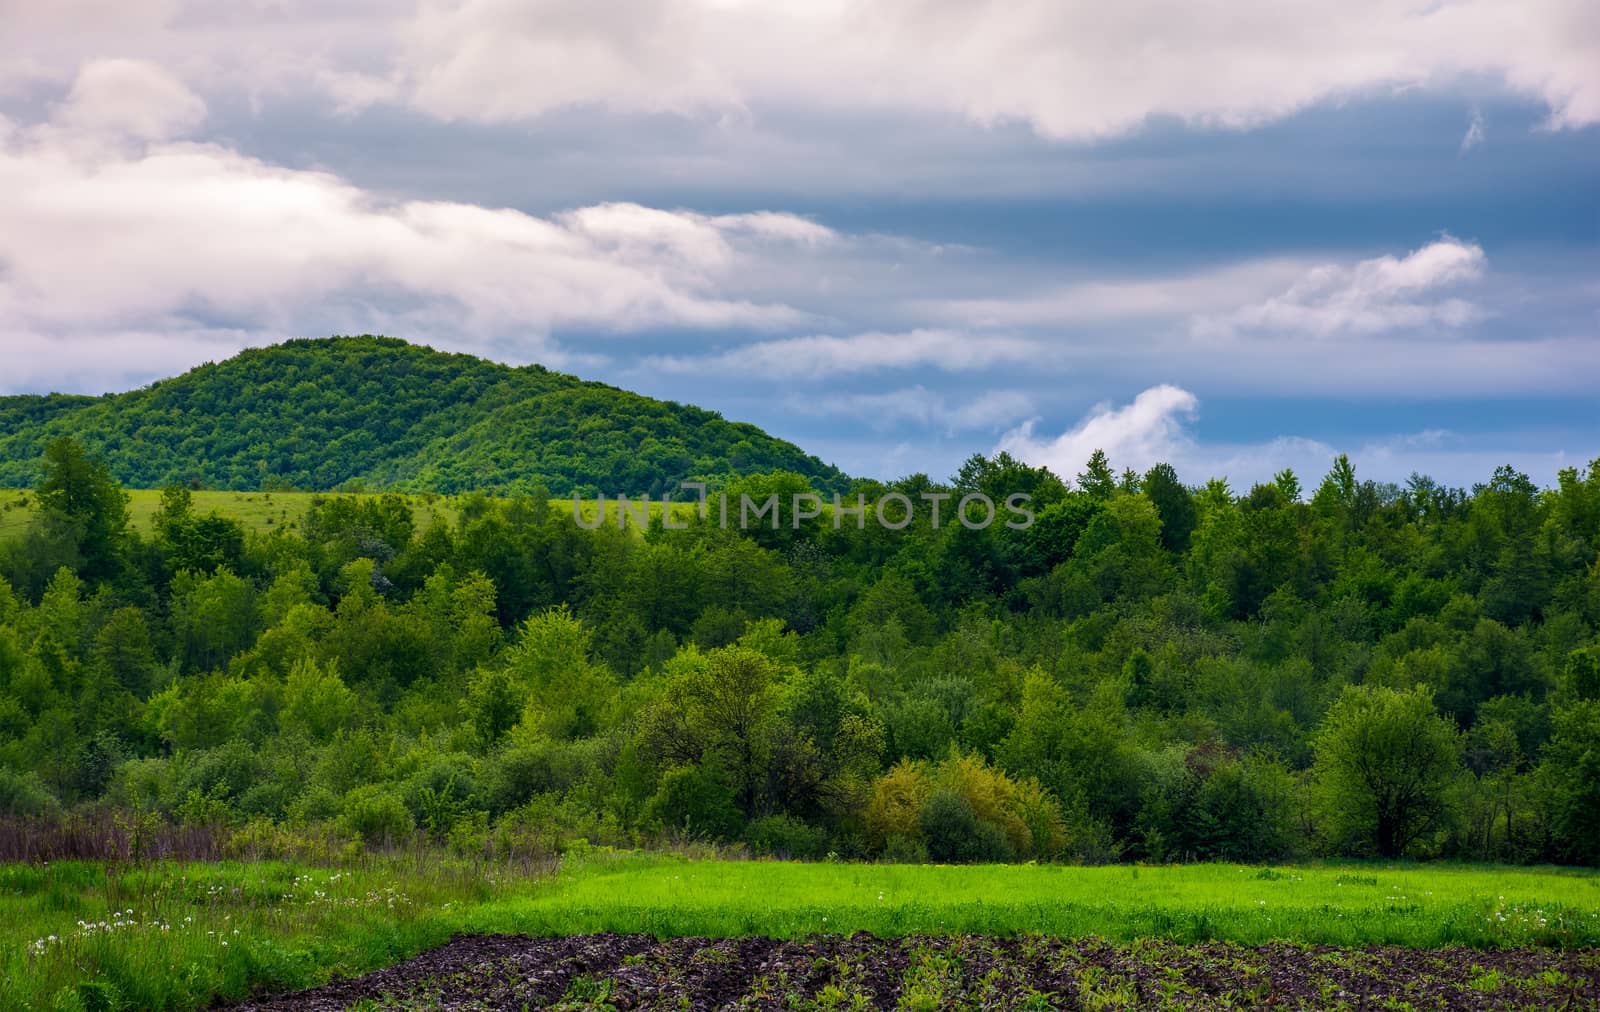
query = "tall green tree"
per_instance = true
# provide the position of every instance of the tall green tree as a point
(717, 712)
(1175, 504)
(81, 490)
(1097, 478)
(1385, 762)
(1571, 772)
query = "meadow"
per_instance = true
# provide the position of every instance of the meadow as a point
(255, 511)
(264, 511)
(179, 935)
(1413, 905)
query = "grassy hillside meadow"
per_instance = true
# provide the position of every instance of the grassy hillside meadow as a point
(177, 935)
(261, 511)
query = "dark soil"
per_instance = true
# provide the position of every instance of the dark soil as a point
(611, 971)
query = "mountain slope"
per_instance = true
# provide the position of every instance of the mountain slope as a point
(318, 414)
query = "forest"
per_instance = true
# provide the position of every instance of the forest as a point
(354, 412)
(1152, 671)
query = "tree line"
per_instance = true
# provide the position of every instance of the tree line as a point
(1150, 670)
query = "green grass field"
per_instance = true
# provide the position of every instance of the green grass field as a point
(1341, 905)
(76, 935)
(262, 511)
(178, 935)
(255, 510)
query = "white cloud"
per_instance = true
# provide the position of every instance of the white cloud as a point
(353, 92)
(933, 411)
(1144, 432)
(820, 356)
(991, 410)
(1420, 324)
(151, 236)
(1070, 68)
(1276, 295)
(1155, 427)
(1369, 297)
(98, 239)
(1475, 132)
(130, 98)
(772, 225)
(1398, 367)
(889, 410)
(249, 47)
(103, 362)
(1211, 290)
(1279, 295)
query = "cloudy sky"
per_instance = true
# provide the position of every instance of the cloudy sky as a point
(1233, 234)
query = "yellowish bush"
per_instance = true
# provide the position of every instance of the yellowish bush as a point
(897, 798)
(992, 795)
(1028, 815)
(1040, 812)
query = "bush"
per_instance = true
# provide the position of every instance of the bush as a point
(24, 794)
(441, 792)
(1385, 763)
(785, 836)
(520, 772)
(376, 815)
(993, 797)
(269, 799)
(897, 798)
(99, 996)
(1242, 813)
(955, 834)
(226, 771)
(1039, 811)
(1025, 818)
(902, 849)
(317, 804)
(144, 784)
(691, 800)
(1571, 773)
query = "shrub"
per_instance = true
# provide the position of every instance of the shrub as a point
(25, 794)
(1242, 813)
(144, 784)
(692, 800)
(1571, 773)
(376, 815)
(270, 799)
(441, 791)
(317, 804)
(1026, 818)
(201, 809)
(901, 849)
(99, 996)
(785, 836)
(541, 766)
(1040, 813)
(226, 771)
(955, 834)
(1385, 763)
(897, 798)
(992, 795)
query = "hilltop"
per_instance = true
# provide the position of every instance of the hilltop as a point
(378, 412)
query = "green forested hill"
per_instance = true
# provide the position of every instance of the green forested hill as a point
(319, 414)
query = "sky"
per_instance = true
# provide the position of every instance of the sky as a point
(1233, 235)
